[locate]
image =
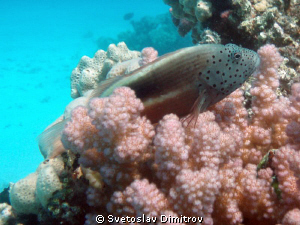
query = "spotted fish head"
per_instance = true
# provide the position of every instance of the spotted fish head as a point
(227, 68)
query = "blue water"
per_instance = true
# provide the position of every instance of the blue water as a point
(40, 43)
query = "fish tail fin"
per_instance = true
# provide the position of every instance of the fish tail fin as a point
(49, 141)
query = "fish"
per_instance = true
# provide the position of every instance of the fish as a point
(194, 77)
(128, 16)
(184, 82)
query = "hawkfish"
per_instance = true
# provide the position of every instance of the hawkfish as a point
(188, 80)
(183, 82)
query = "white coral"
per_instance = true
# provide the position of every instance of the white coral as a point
(35, 190)
(90, 71)
(23, 197)
(6, 213)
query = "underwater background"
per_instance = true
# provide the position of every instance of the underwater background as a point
(41, 42)
(209, 133)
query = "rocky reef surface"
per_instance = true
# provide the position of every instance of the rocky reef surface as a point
(250, 23)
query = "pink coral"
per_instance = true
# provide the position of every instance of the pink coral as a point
(227, 208)
(112, 126)
(140, 197)
(148, 55)
(258, 197)
(172, 150)
(231, 110)
(209, 169)
(265, 103)
(79, 133)
(195, 192)
(292, 217)
(288, 182)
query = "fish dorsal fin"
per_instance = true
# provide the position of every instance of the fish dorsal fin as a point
(102, 86)
(50, 140)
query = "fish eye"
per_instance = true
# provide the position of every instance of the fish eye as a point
(236, 56)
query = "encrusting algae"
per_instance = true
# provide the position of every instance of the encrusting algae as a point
(194, 77)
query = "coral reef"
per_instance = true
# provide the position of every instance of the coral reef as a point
(251, 23)
(31, 193)
(209, 169)
(118, 60)
(157, 32)
(90, 71)
(68, 204)
(238, 164)
(7, 214)
(120, 132)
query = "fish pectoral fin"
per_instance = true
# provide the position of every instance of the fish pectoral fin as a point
(193, 116)
(199, 106)
(195, 111)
